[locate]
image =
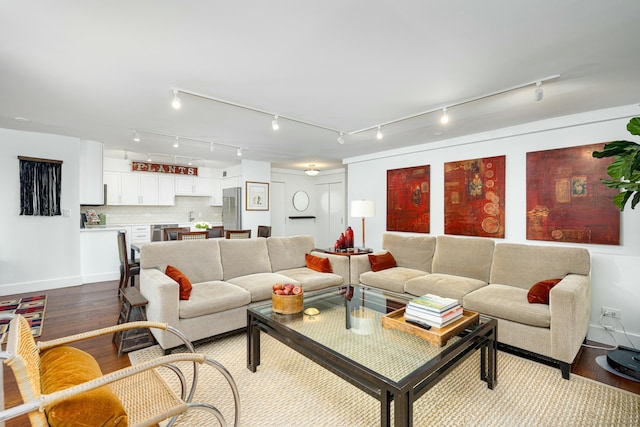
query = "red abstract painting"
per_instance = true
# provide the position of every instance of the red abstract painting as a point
(566, 202)
(409, 199)
(474, 193)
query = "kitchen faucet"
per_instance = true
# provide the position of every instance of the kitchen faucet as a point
(191, 217)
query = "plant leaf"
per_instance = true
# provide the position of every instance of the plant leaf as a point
(635, 200)
(617, 169)
(620, 199)
(634, 126)
(612, 149)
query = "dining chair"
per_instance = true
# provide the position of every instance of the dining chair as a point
(216, 231)
(63, 385)
(128, 268)
(264, 231)
(171, 233)
(193, 235)
(238, 234)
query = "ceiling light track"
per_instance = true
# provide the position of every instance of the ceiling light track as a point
(444, 108)
(256, 110)
(187, 138)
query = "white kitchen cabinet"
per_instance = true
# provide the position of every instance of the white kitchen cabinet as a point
(166, 190)
(140, 234)
(216, 192)
(113, 180)
(139, 189)
(193, 186)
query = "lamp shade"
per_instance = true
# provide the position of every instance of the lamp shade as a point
(363, 208)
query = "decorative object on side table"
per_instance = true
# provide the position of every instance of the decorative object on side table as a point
(363, 209)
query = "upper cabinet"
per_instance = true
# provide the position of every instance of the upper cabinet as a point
(91, 179)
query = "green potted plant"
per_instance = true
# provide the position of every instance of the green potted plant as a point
(625, 169)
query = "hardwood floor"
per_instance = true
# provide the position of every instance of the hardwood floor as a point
(92, 306)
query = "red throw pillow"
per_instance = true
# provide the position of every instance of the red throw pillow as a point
(178, 276)
(317, 263)
(382, 262)
(539, 293)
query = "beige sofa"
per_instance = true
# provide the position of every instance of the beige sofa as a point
(494, 279)
(227, 276)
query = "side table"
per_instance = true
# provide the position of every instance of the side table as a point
(133, 310)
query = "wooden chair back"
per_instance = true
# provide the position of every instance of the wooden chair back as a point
(264, 231)
(216, 231)
(171, 233)
(238, 234)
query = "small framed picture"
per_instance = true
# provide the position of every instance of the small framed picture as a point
(257, 196)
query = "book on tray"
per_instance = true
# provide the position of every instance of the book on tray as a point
(433, 303)
(434, 320)
(433, 310)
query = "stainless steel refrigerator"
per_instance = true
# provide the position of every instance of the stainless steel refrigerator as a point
(231, 208)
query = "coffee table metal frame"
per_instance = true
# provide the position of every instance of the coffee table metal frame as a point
(403, 392)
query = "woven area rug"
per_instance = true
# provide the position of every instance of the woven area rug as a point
(290, 390)
(31, 308)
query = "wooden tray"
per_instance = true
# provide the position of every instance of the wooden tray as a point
(436, 336)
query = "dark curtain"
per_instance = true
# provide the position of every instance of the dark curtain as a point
(40, 186)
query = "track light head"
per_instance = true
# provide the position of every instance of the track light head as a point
(190, 163)
(136, 136)
(538, 94)
(177, 143)
(148, 157)
(211, 147)
(340, 138)
(239, 152)
(176, 100)
(126, 155)
(274, 123)
(379, 134)
(445, 118)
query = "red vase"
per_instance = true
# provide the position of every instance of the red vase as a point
(343, 241)
(349, 235)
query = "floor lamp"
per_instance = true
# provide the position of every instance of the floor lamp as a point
(363, 209)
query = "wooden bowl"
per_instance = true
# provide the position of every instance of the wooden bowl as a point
(287, 304)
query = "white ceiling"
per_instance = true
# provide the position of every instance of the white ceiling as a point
(100, 69)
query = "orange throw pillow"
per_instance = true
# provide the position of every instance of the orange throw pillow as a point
(539, 293)
(317, 263)
(178, 276)
(381, 262)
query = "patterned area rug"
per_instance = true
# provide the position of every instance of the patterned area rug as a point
(290, 390)
(31, 308)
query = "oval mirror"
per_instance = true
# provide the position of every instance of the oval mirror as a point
(300, 201)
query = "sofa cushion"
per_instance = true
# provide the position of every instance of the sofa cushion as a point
(183, 281)
(244, 256)
(464, 256)
(311, 280)
(539, 293)
(199, 260)
(414, 252)
(260, 285)
(212, 297)
(509, 303)
(65, 366)
(444, 285)
(319, 264)
(381, 261)
(288, 252)
(392, 279)
(524, 265)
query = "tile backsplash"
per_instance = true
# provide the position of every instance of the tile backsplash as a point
(179, 213)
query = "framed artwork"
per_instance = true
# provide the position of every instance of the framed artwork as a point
(409, 199)
(257, 196)
(474, 192)
(566, 202)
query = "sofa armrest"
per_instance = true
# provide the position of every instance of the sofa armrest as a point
(163, 294)
(339, 264)
(570, 306)
(359, 265)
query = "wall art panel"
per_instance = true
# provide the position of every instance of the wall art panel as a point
(566, 201)
(409, 199)
(474, 192)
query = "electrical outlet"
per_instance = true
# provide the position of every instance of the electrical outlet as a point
(616, 313)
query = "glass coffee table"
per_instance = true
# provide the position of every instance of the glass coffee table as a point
(347, 337)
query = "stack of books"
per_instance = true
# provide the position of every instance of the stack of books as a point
(433, 310)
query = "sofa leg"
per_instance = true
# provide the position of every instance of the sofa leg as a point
(565, 368)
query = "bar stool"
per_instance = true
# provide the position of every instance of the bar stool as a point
(128, 268)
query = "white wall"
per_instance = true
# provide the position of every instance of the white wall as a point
(37, 252)
(255, 172)
(615, 273)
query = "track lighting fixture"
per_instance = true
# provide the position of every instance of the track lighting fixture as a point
(211, 148)
(445, 118)
(177, 138)
(379, 133)
(239, 152)
(136, 136)
(148, 157)
(312, 171)
(176, 100)
(538, 93)
(177, 143)
(126, 155)
(190, 163)
(274, 123)
(340, 138)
